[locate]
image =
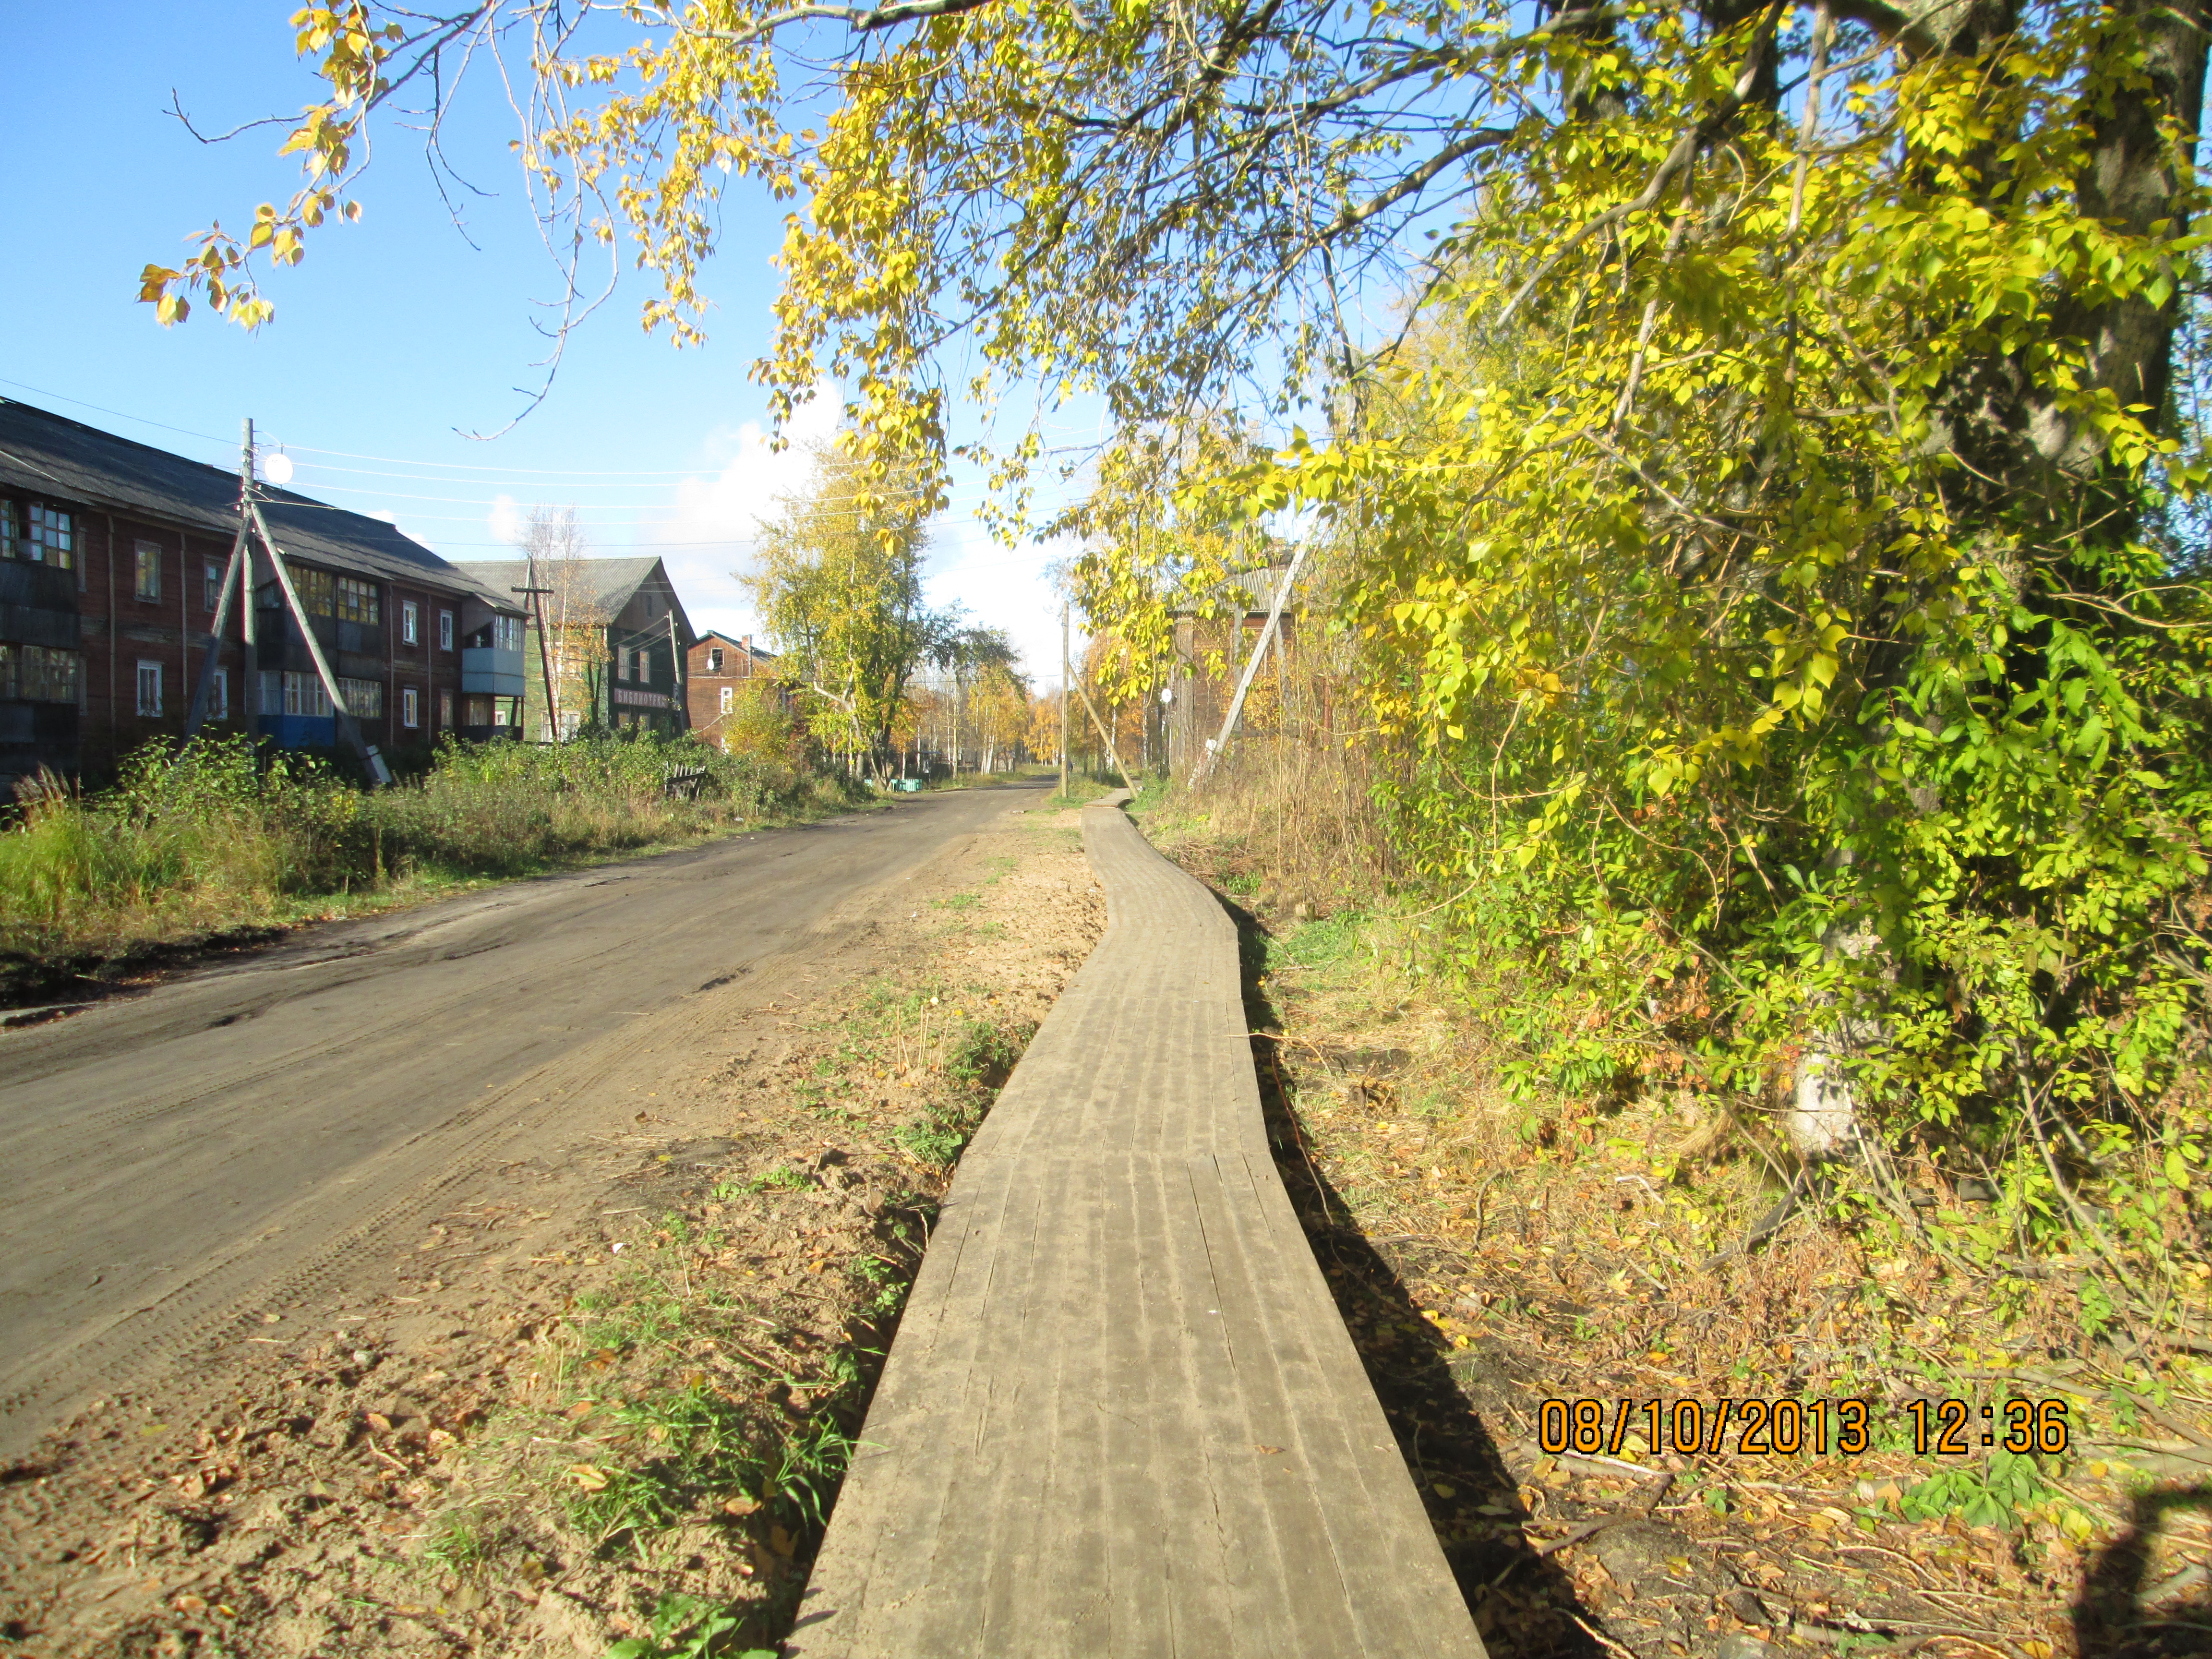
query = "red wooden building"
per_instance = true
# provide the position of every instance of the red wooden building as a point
(112, 561)
(721, 670)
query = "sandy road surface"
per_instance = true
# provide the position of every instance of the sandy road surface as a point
(243, 1137)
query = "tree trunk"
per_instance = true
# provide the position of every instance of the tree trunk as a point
(2020, 449)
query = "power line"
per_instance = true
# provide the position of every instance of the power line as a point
(471, 466)
(457, 500)
(118, 414)
(518, 473)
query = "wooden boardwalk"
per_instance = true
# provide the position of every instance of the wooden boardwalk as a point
(1122, 1415)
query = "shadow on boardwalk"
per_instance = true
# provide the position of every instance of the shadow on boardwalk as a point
(1525, 1605)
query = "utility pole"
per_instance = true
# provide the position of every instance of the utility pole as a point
(1064, 682)
(1113, 748)
(1217, 748)
(678, 667)
(348, 728)
(530, 593)
(233, 583)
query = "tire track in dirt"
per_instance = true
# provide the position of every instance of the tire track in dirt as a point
(324, 1168)
(247, 1491)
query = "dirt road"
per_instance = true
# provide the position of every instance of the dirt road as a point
(238, 1140)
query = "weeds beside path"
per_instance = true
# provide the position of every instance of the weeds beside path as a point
(1493, 1252)
(217, 846)
(560, 1430)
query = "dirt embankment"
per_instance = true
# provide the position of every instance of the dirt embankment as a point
(611, 1400)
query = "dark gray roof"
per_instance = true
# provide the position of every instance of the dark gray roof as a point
(608, 583)
(760, 650)
(50, 456)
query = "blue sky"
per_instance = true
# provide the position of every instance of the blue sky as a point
(394, 336)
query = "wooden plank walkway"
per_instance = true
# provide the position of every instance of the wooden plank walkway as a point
(1122, 1415)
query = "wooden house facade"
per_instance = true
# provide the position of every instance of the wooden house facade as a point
(113, 557)
(721, 673)
(622, 638)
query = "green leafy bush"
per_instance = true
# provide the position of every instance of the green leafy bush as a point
(1989, 1497)
(221, 832)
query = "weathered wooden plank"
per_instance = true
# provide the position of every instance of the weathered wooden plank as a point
(1121, 1416)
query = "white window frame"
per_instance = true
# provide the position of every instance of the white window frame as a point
(410, 707)
(729, 698)
(149, 675)
(219, 695)
(445, 630)
(715, 660)
(364, 699)
(211, 575)
(410, 622)
(305, 694)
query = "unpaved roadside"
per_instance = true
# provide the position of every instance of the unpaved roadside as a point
(181, 1160)
(606, 1385)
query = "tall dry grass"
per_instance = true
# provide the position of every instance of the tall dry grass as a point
(218, 834)
(1296, 792)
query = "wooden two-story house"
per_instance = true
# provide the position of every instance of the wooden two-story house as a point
(617, 638)
(723, 674)
(113, 559)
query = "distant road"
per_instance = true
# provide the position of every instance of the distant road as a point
(169, 1159)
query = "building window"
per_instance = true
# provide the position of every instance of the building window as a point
(621, 662)
(304, 695)
(149, 686)
(510, 629)
(729, 698)
(714, 663)
(211, 571)
(147, 558)
(410, 705)
(364, 699)
(357, 601)
(445, 630)
(318, 589)
(296, 694)
(53, 537)
(445, 711)
(38, 674)
(502, 711)
(410, 622)
(219, 695)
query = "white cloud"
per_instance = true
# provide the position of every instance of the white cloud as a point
(704, 535)
(1005, 587)
(707, 536)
